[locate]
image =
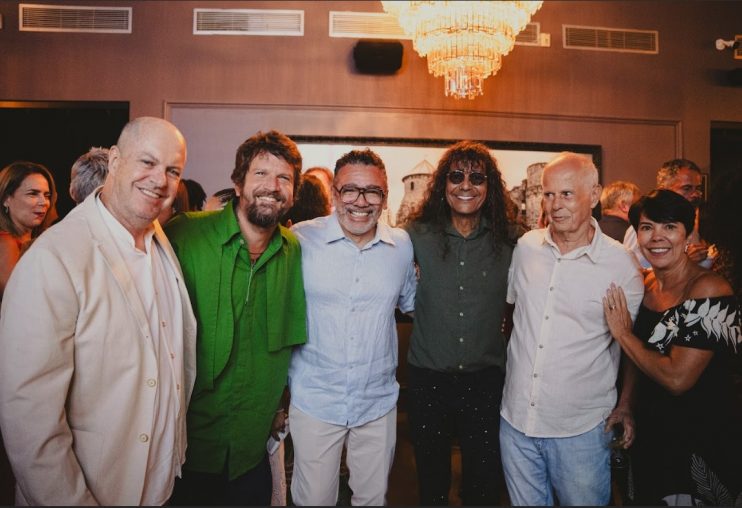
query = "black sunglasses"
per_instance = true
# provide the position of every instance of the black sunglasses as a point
(457, 176)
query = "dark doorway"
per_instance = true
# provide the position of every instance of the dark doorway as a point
(726, 149)
(56, 133)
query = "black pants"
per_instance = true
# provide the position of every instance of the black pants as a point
(254, 488)
(467, 406)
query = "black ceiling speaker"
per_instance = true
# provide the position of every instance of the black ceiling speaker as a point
(377, 57)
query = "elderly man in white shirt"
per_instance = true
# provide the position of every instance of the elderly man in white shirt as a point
(560, 388)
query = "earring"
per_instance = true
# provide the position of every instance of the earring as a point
(7, 209)
(686, 247)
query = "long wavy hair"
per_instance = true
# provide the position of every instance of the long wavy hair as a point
(435, 212)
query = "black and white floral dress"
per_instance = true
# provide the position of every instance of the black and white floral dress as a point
(691, 443)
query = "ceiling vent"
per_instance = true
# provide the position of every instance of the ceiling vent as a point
(610, 39)
(72, 18)
(248, 22)
(379, 25)
(530, 35)
(365, 25)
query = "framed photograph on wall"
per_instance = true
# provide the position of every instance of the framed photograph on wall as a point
(410, 164)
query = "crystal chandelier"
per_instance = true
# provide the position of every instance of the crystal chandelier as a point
(464, 41)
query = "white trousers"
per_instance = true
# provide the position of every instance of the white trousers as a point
(318, 447)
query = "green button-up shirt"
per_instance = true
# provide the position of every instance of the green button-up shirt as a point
(460, 299)
(249, 316)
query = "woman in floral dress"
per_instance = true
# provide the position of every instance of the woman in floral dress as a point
(688, 447)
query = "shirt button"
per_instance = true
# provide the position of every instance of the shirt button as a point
(177, 387)
(551, 288)
(461, 288)
(143, 438)
(541, 346)
(461, 339)
(357, 279)
(151, 383)
(533, 404)
(461, 314)
(546, 317)
(461, 367)
(172, 355)
(242, 241)
(163, 324)
(535, 375)
(461, 263)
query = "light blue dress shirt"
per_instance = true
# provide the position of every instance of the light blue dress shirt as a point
(345, 373)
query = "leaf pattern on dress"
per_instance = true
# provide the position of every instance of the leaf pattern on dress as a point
(708, 486)
(717, 317)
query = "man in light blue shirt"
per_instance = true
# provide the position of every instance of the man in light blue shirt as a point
(342, 381)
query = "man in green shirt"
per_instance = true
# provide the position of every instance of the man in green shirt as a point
(243, 273)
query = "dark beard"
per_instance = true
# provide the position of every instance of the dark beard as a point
(263, 220)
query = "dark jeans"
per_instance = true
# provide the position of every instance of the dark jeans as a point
(254, 488)
(467, 406)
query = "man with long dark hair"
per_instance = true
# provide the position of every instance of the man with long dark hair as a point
(463, 236)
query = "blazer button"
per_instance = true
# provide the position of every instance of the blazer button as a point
(143, 438)
(151, 382)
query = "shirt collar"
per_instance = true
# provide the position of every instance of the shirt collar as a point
(591, 251)
(119, 231)
(334, 232)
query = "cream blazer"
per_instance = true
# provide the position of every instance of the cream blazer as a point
(76, 407)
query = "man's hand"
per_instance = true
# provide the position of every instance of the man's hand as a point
(697, 252)
(279, 423)
(623, 416)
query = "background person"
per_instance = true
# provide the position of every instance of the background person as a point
(463, 235)
(688, 448)
(616, 199)
(28, 196)
(88, 173)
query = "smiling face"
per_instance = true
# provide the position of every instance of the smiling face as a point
(464, 198)
(663, 244)
(569, 196)
(267, 192)
(30, 202)
(144, 171)
(358, 219)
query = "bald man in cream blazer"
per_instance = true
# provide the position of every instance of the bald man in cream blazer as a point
(97, 340)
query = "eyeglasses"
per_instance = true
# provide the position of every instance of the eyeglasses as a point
(457, 176)
(349, 194)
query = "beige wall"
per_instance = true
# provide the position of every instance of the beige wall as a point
(642, 109)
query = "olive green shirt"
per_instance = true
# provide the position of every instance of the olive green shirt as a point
(460, 299)
(249, 316)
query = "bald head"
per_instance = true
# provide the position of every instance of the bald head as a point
(145, 167)
(571, 190)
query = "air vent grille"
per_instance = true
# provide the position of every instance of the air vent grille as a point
(72, 18)
(530, 35)
(248, 22)
(365, 25)
(611, 39)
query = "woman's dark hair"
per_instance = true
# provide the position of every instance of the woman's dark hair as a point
(435, 210)
(311, 201)
(11, 178)
(663, 206)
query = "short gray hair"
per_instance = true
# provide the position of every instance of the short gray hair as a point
(88, 172)
(669, 169)
(618, 192)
